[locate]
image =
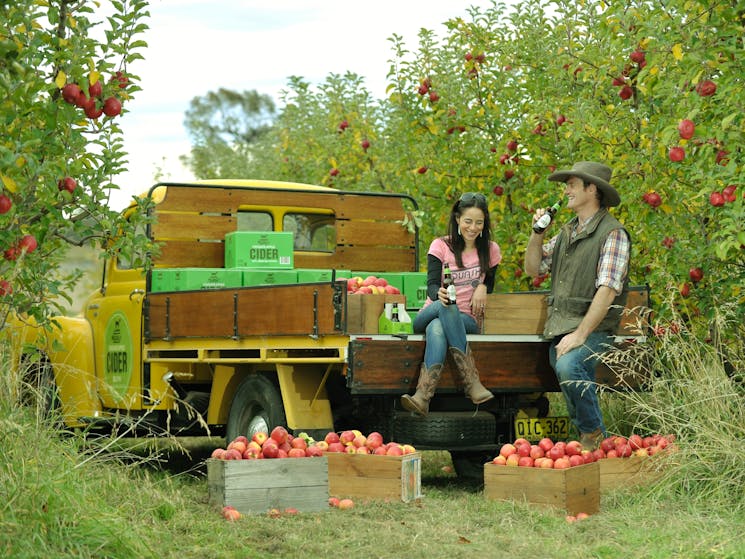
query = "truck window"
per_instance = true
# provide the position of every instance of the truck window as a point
(254, 221)
(312, 232)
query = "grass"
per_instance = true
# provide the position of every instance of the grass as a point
(63, 496)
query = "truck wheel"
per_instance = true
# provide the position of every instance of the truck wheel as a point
(257, 406)
(39, 389)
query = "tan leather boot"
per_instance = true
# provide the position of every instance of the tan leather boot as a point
(468, 375)
(425, 389)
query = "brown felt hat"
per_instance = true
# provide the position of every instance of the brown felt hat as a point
(591, 172)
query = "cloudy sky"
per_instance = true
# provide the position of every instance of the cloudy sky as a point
(196, 46)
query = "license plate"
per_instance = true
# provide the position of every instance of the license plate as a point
(536, 428)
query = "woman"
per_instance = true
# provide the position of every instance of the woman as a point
(473, 258)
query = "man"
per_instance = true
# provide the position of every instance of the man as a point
(588, 261)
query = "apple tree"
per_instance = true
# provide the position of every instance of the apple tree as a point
(65, 83)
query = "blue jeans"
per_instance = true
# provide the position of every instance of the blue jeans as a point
(444, 326)
(576, 373)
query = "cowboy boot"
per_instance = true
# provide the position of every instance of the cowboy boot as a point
(425, 389)
(469, 376)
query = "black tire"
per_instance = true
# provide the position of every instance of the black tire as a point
(445, 429)
(257, 406)
(39, 390)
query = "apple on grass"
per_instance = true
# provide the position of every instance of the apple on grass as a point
(230, 513)
(346, 504)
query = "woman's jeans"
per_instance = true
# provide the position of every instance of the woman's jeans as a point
(444, 326)
(576, 373)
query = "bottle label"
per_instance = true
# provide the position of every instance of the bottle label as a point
(543, 221)
(451, 293)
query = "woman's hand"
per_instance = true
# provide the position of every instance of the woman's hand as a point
(478, 300)
(442, 295)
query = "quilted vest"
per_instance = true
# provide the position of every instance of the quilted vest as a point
(573, 273)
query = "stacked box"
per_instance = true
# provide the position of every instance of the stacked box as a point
(627, 472)
(190, 279)
(311, 275)
(257, 486)
(161, 280)
(375, 477)
(415, 289)
(575, 489)
(364, 310)
(252, 277)
(251, 249)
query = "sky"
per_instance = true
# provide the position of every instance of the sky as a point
(197, 46)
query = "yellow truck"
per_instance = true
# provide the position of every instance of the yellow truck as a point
(228, 356)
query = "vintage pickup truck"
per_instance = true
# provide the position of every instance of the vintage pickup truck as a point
(237, 358)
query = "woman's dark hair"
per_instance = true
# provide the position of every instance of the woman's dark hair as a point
(455, 240)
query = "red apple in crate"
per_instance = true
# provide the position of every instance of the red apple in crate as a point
(252, 454)
(573, 448)
(240, 446)
(331, 437)
(523, 449)
(607, 444)
(296, 453)
(636, 441)
(546, 444)
(299, 442)
(233, 454)
(359, 441)
(499, 460)
(555, 452)
(513, 459)
(380, 451)
(392, 290)
(395, 450)
(218, 453)
(525, 462)
(547, 464)
(576, 460)
(323, 446)
(259, 437)
(562, 463)
(507, 449)
(346, 437)
(374, 440)
(270, 450)
(587, 456)
(360, 449)
(536, 452)
(518, 442)
(408, 449)
(336, 447)
(279, 434)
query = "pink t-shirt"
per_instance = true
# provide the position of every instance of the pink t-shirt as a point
(469, 276)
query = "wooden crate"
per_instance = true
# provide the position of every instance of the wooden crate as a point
(574, 490)
(363, 311)
(627, 472)
(256, 486)
(370, 476)
(515, 313)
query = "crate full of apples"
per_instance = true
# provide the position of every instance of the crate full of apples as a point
(366, 299)
(630, 461)
(560, 474)
(273, 471)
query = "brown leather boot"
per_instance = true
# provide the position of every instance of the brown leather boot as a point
(425, 389)
(468, 374)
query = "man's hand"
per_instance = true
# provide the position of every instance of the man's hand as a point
(568, 343)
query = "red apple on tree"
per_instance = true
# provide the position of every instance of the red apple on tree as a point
(626, 92)
(686, 129)
(653, 199)
(68, 183)
(498, 190)
(365, 144)
(512, 145)
(706, 88)
(334, 171)
(421, 170)
(696, 274)
(95, 89)
(5, 204)
(5, 288)
(70, 93)
(637, 56)
(27, 244)
(112, 106)
(716, 199)
(729, 193)
(685, 289)
(676, 154)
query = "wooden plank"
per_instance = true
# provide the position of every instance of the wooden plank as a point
(575, 489)
(375, 233)
(229, 199)
(190, 254)
(392, 366)
(248, 311)
(256, 486)
(192, 226)
(375, 477)
(515, 313)
(616, 473)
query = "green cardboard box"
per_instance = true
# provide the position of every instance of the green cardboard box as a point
(313, 275)
(253, 277)
(415, 289)
(190, 279)
(259, 249)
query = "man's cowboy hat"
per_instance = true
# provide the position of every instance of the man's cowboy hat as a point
(591, 172)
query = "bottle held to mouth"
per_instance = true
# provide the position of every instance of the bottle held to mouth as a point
(447, 283)
(545, 220)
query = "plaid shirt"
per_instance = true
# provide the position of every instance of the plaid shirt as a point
(613, 265)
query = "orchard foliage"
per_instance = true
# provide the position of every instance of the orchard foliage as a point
(512, 93)
(64, 81)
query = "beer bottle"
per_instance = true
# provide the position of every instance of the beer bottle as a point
(394, 313)
(545, 220)
(447, 283)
